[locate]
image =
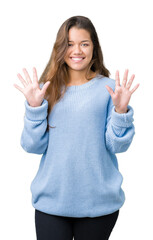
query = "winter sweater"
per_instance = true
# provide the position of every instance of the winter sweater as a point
(78, 174)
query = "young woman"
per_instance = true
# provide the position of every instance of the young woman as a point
(78, 118)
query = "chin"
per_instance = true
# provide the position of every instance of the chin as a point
(77, 69)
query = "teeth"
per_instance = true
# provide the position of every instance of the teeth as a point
(77, 59)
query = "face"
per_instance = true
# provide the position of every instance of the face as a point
(80, 49)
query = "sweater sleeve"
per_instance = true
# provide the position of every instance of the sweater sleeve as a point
(119, 129)
(34, 137)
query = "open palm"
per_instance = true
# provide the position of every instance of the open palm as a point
(122, 94)
(31, 90)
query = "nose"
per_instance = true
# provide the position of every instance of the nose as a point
(77, 49)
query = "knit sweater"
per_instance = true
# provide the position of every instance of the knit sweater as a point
(78, 174)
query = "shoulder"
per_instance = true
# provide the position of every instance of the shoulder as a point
(102, 80)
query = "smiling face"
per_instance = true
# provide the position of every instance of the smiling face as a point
(80, 50)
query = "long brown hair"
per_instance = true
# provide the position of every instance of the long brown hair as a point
(56, 70)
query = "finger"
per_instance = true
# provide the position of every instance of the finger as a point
(117, 79)
(19, 88)
(27, 75)
(110, 90)
(35, 77)
(133, 90)
(22, 80)
(125, 78)
(130, 81)
(45, 86)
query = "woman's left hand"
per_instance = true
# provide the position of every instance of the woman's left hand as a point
(122, 94)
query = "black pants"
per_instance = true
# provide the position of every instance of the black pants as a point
(52, 227)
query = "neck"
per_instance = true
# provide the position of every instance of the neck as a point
(78, 77)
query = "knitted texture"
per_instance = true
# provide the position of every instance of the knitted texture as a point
(78, 174)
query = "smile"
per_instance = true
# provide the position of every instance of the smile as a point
(76, 59)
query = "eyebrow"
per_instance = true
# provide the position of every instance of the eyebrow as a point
(81, 41)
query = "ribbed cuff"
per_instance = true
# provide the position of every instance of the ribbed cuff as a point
(36, 113)
(122, 119)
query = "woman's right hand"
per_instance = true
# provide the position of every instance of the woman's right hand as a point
(31, 90)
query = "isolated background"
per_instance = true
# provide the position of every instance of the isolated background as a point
(28, 31)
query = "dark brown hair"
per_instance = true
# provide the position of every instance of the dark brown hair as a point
(56, 70)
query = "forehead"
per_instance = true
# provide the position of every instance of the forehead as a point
(78, 34)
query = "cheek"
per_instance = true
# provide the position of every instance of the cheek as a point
(89, 53)
(67, 54)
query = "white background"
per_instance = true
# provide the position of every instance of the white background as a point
(28, 30)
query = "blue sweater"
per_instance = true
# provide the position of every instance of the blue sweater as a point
(78, 175)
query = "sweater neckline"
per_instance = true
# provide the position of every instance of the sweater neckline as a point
(82, 86)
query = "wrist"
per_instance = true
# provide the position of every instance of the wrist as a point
(121, 110)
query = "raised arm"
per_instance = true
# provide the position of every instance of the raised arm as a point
(119, 126)
(119, 129)
(34, 137)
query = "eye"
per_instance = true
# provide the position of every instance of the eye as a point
(85, 44)
(69, 45)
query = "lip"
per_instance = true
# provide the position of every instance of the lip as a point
(77, 59)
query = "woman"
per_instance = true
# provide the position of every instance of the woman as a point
(78, 118)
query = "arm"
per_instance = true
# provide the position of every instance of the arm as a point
(119, 129)
(34, 137)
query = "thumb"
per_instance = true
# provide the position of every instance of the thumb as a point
(110, 90)
(45, 86)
